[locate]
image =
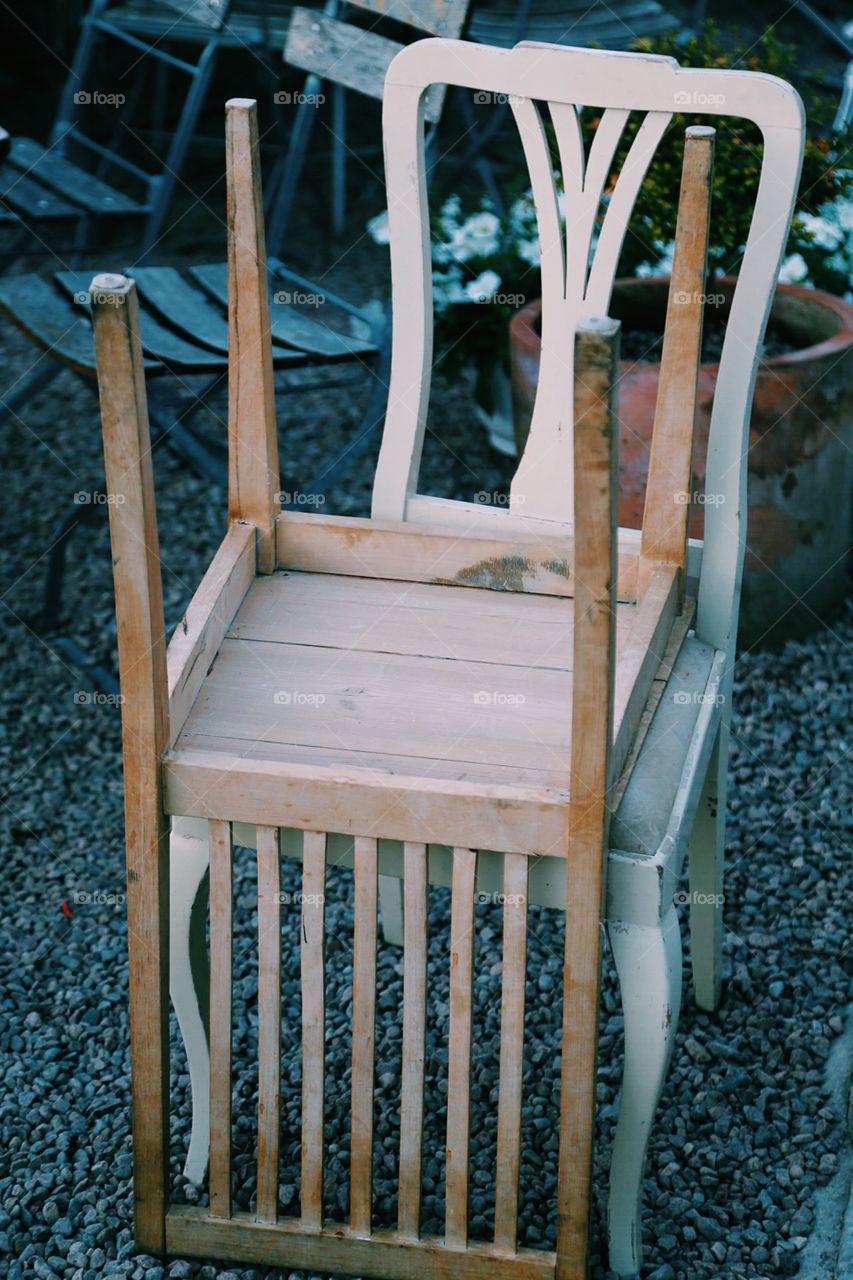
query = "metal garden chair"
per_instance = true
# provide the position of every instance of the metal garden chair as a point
(584, 797)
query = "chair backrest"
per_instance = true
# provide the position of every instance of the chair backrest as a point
(578, 271)
(326, 45)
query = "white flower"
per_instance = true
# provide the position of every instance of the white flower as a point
(824, 234)
(794, 269)
(478, 236)
(528, 251)
(378, 228)
(447, 288)
(483, 288)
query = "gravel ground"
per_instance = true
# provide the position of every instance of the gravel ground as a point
(744, 1136)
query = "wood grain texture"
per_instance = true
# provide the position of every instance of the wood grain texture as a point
(269, 1021)
(514, 961)
(145, 732)
(192, 1233)
(221, 929)
(196, 640)
(596, 363)
(216, 784)
(363, 1035)
(439, 17)
(313, 1025)
(540, 562)
(415, 915)
(253, 479)
(459, 1046)
(669, 484)
(348, 55)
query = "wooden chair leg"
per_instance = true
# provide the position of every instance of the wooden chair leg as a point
(253, 476)
(648, 962)
(189, 980)
(706, 859)
(145, 735)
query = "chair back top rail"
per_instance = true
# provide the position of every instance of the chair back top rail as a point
(577, 272)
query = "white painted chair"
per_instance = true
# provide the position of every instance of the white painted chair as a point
(672, 790)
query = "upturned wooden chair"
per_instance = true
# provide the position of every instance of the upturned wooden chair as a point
(527, 700)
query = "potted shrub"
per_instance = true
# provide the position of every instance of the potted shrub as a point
(800, 472)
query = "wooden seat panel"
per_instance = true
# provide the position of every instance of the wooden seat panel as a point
(396, 672)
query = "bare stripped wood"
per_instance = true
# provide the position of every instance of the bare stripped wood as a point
(203, 627)
(514, 960)
(253, 481)
(348, 55)
(439, 17)
(668, 488)
(542, 563)
(415, 903)
(190, 1232)
(363, 1035)
(221, 924)
(214, 784)
(313, 1025)
(145, 732)
(596, 356)
(640, 658)
(334, 611)
(269, 1021)
(459, 1046)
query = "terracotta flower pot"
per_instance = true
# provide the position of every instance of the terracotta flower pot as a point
(800, 470)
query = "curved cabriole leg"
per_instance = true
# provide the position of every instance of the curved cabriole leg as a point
(705, 860)
(189, 860)
(648, 962)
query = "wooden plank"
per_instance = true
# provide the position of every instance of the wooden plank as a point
(253, 477)
(438, 17)
(219, 836)
(669, 484)
(348, 55)
(313, 1026)
(145, 733)
(459, 1046)
(514, 960)
(177, 302)
(74, 184)
(540, 563)
(596, 436)
(290, 328)
(518, 819)
(191, 1233)
(50, 320)
(32, 200)
(269, 1021)
(640, 658)
(248, 749)
(427, 707)
(363, 1035)
(159, 342)
(415, 915)
(196, 640)
(418, 619)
